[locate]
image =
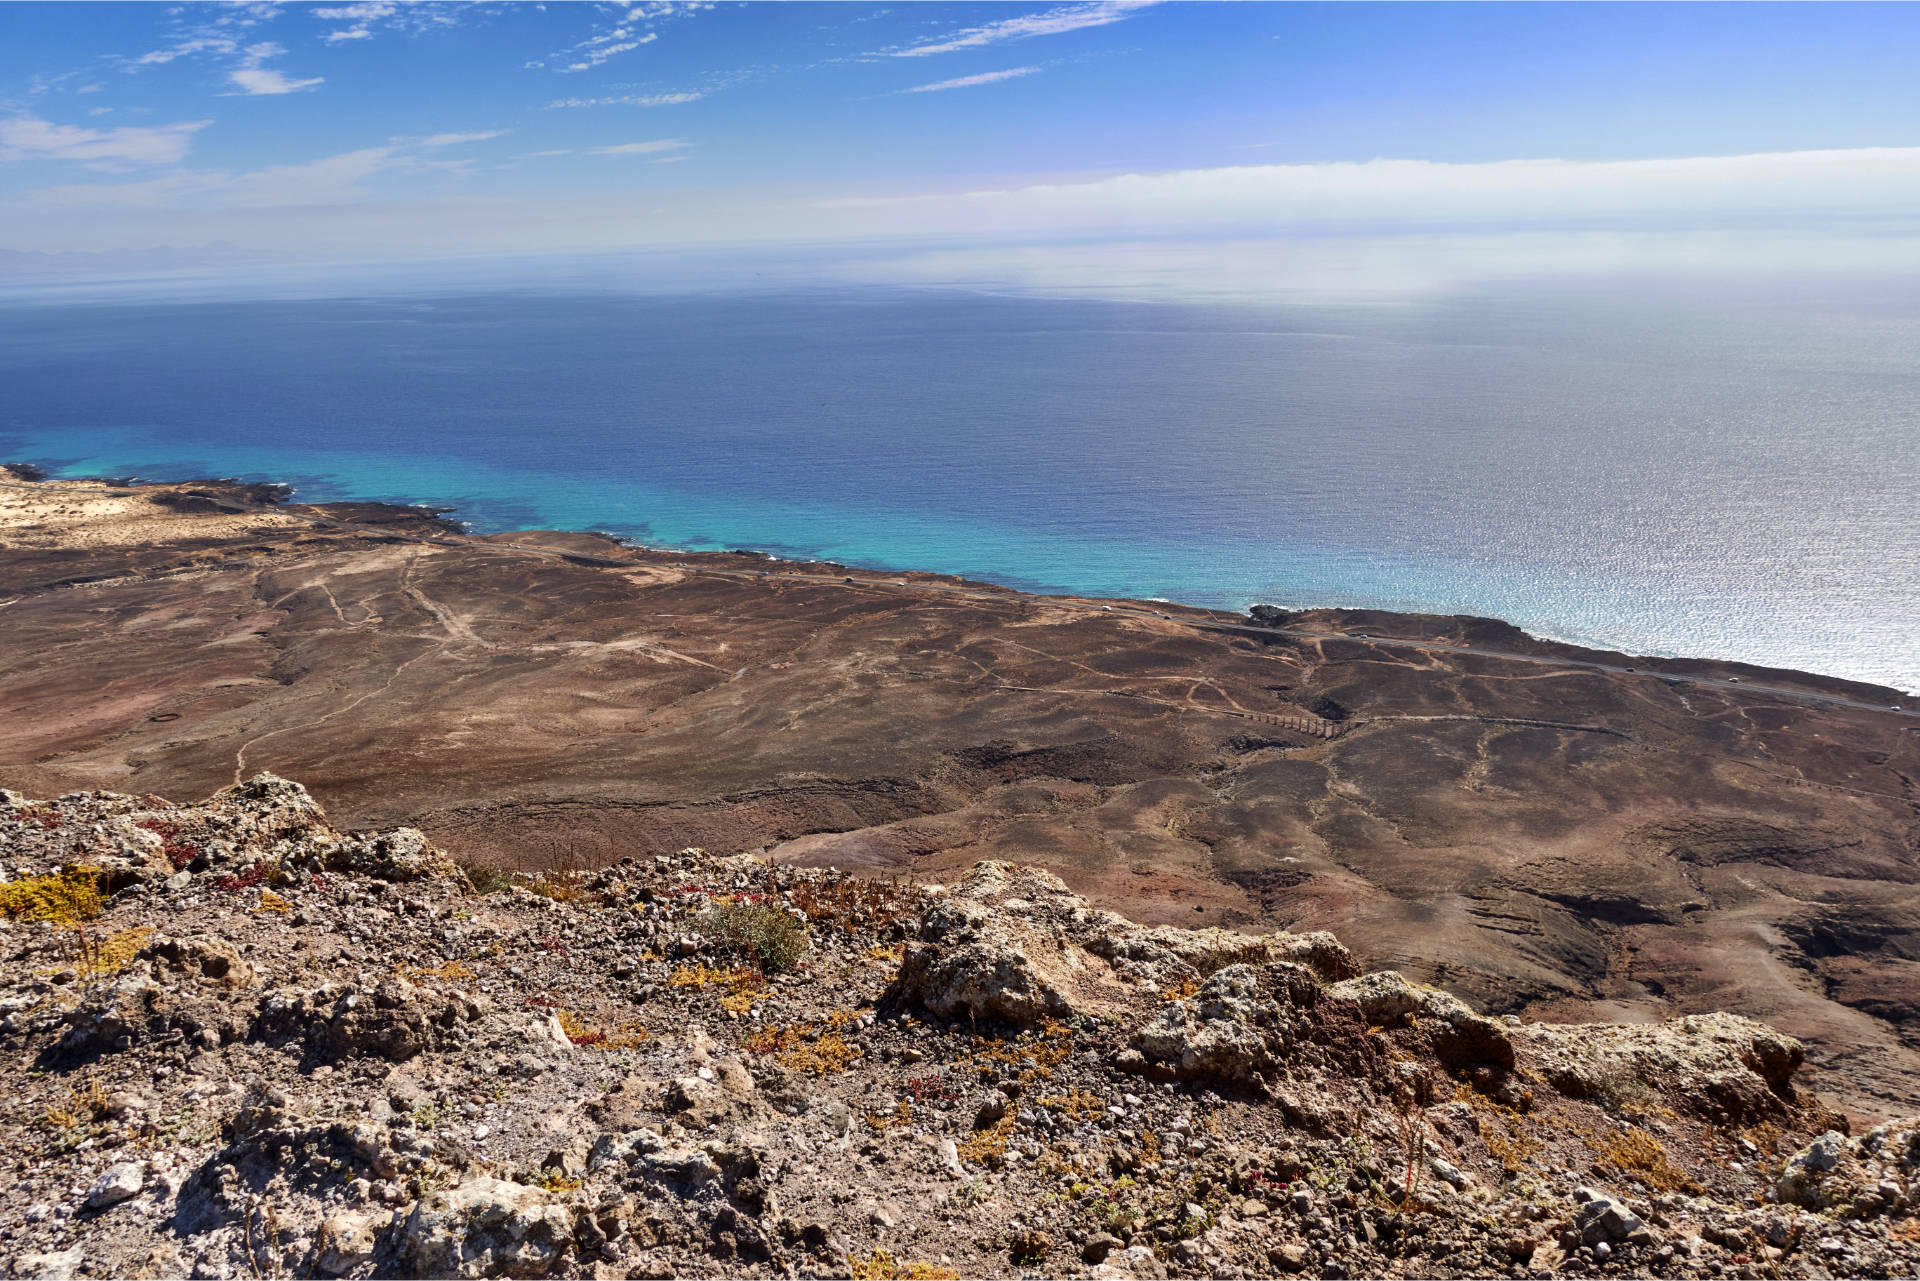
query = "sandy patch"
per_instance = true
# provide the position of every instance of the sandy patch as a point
(49, 515)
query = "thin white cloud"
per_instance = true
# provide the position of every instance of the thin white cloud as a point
(261, 81)
(252, 78)
(328, 180)
(634, 100)
(640, 148)
(206, 30)
(361, 18)
(331, 178)
(187, 48)
(148, 194)
(629, 30)
(1378, 225)
(354, 12)
(1883, 181)
(455, 139)
(1062, 18)
(600, 53)
(31, 138)
(964, 82)
(365, 19)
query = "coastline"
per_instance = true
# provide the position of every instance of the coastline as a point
(1530, 823)
(1468, 633)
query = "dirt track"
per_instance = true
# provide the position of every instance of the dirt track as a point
(1561, 839)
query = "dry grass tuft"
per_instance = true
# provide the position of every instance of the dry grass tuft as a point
(451, 972)
(1640, 1156)
(881, 1267)
(486, 879)
(699, 976)
(823, 1057)
(1078, 1106)
(115, 951)
(744, 986)
(582, 1033)
(67, 898)
(813, 1048)
(554, 1181)
(981, 1145)
(564, 887)
(854, 904)
(1503, 1131)
(1034, 1055)
(85, 1103)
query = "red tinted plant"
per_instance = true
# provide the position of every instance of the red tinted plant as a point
(178, 852)
(250, 878)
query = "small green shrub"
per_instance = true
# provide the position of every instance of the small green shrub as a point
(759, 934)
(485, 879)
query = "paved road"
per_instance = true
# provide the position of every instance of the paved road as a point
(1211, 624)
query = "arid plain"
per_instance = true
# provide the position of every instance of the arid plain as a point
(1558, 841)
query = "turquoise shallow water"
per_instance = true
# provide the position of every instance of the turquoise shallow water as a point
(1663, 474)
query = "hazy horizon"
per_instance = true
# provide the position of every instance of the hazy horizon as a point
(1093, 148)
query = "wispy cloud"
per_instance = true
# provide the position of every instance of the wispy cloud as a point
(1062, 18)
(31, 138)
(629, 30)
(1270, 198)
(257, 82)
(186, 49)
(365, 19)
(254, 79)
(963, 82)
(205, 30)
(634, 100)
(598, 52)
(329, 180)
(455, 139)
(655, 147)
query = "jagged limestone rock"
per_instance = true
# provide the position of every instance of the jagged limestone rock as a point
(1015, 944)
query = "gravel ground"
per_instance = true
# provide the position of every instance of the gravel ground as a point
(240, 1043)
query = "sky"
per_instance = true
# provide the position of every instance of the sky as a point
(1094, 144)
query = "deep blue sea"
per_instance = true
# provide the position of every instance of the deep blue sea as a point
(1658, 471)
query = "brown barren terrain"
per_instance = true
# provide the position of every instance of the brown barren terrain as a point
(1555, 840)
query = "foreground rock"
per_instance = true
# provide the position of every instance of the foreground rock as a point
(284, 1050)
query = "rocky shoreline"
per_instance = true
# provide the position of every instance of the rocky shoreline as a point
(1458, 628)
(241, 1042)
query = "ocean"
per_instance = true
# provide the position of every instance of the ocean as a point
(1651, 469)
